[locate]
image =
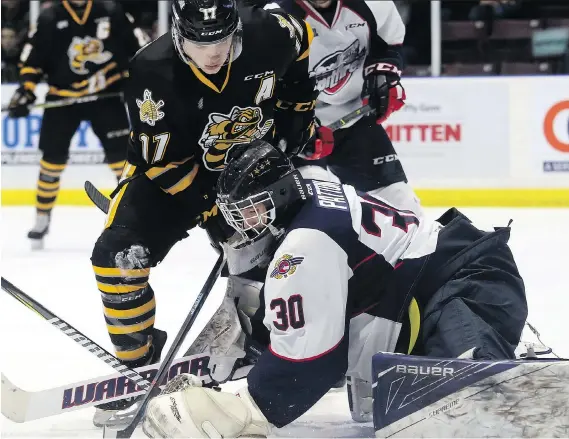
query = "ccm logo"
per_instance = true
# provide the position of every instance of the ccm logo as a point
(385, 159)
(215, 32)
(353, 25)
(259, 75)
(382, 67)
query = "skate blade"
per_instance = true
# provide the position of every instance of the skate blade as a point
(37, 244)
(116, 420)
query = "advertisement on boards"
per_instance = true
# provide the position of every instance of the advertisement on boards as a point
(550, 126)
(450, 129)
(20, 137)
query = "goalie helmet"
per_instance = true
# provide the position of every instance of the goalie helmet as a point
(258, 191)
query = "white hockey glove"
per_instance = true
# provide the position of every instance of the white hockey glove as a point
(191, 411)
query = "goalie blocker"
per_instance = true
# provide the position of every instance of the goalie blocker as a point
(435, 397)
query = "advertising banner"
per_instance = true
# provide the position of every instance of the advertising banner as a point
(550, 126)
(20, 136)
(452, 129)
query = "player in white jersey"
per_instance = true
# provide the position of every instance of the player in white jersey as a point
(356, 57)
(338, 257)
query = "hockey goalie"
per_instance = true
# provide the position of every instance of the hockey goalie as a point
(321, 279)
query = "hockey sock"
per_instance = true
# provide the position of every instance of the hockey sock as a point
(129, 307)
(48, 185)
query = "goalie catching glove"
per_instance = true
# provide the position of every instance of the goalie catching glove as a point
(383, 88)
(186, 409)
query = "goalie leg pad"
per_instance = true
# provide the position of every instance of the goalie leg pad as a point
(437, 397)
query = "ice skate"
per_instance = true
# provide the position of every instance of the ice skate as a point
(115, 414)
(40, 229)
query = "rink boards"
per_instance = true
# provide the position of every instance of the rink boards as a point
(501, 141)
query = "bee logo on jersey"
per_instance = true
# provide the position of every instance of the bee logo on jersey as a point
(149, 110)
(242, 125)
(286, 266)
(84, 50)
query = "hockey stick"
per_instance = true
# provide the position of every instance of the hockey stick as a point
(19, 405)
(76, 335)
(165, 365)
(97, 197)
(362, 111)
(70, 101)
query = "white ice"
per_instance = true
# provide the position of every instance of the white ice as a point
(36, 356)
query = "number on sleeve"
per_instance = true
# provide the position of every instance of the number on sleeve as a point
(402, 219)
(161, 141)
(290, 313)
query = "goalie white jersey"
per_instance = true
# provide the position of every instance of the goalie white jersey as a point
(332, 272)
(342, 43)
(359, 229)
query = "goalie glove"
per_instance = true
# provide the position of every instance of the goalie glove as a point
(383, 88)
(186, 409)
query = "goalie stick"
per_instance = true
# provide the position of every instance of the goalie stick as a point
(20, 405)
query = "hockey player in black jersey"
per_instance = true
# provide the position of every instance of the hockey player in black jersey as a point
(347, 275)
(83, 47)
(223, 77)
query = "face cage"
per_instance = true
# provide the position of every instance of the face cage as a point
(248, 219)
(234, 51)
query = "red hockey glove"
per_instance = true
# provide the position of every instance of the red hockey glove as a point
(320, 145)
(382, 86)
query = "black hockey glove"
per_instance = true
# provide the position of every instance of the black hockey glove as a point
(294, 124)
(383, 89)
(20, 102)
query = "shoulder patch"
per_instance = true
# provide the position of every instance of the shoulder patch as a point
(285, 266)
(294, 28)
(149, 110)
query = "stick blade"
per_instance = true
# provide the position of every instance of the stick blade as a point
(15, 401)
(97, 197)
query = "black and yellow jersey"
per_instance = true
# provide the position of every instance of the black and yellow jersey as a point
(184, 122)
(82, 50)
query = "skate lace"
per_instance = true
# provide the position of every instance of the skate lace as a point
(533, 350)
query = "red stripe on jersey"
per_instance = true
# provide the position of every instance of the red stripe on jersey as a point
(302, 360)
(363, 261)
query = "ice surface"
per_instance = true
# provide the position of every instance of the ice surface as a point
(36, 356)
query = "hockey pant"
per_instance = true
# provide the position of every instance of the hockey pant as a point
(110, 124)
